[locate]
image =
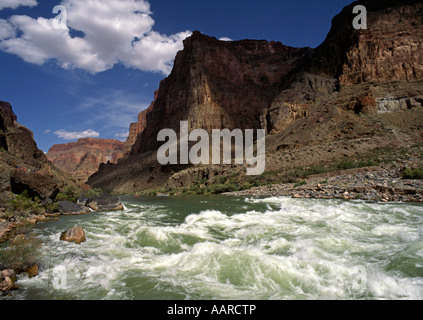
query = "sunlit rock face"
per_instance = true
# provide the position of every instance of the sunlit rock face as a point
(82, 158)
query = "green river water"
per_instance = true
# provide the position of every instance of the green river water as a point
(242, 248)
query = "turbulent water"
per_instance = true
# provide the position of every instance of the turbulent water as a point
(219, 247)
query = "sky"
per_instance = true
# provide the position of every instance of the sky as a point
(86, 68)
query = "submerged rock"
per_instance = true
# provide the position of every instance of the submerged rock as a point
(75, 234)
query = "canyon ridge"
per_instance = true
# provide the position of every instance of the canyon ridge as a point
(82, 158)
(359, 91)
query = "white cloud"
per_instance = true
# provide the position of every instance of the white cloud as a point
(7, 30)
(13, 4)
(225, 39)
(114, 31)
(47, 131)
(122, 136)
(63, 134)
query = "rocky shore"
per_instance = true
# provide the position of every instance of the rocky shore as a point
(371, 183)
(16, 232)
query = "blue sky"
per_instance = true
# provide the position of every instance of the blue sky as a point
(90, 76)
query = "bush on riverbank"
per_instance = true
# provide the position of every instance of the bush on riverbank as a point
(416, 173)
(23, 203)
(70, 193)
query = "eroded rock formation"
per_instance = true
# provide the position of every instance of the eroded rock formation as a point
(359, 90)
(215, 85)
(24, 167)
(82, 158)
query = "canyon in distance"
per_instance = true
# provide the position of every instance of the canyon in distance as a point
(342, 121)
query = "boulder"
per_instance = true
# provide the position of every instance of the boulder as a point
(71, 208)
(105, 203)
(10, 273)
(75, 234)
(82, 200)
(5, 231)
(32, 271)
(7, 281)
(36, 183)
(46, 202)
(7, 285)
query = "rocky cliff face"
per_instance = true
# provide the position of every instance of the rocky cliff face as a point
(359, 90)
(22, 165)
(216, 84)
(389, 50)
(16, 139)
(82, 158)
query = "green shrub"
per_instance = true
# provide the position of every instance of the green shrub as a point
(94, 193)
(221, 188)
(300, 183)
(246, 186)
(70, 193)
(317, 169)
(344, 165)
(73, 193)
(368, 163)
(62, 197)
(357, 164)
(52, 207)
(416, 173)
(24, 203)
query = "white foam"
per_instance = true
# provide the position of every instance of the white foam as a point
(298, 249)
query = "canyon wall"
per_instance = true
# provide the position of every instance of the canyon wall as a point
(360, 88)
(82, 158)
(24, 167)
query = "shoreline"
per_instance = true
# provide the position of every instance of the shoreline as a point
(369, 183)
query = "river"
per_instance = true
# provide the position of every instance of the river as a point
(242, 248)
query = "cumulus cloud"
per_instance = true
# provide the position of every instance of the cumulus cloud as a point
(113, 31)
(63, 134)
(7, 30)
(13, 4)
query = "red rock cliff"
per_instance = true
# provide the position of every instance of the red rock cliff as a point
(300, 96)
(216, 84)
(82, 158)
(24, 167)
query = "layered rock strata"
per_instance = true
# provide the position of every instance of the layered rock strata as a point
(359, 90)
(82, 158)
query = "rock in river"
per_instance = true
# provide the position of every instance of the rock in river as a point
(75, 234)
(105, 202)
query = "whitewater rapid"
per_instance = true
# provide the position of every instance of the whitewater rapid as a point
(235, 248)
